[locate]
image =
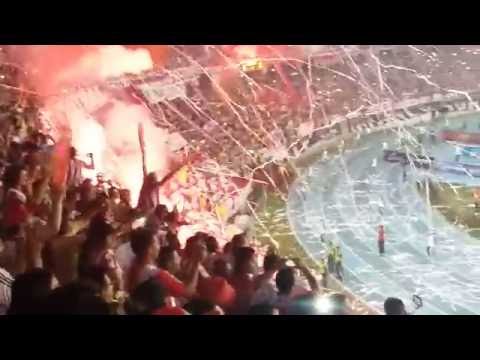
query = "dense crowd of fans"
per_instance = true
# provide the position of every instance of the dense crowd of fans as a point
(79, 247)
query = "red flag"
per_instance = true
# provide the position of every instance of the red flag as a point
(60, 160)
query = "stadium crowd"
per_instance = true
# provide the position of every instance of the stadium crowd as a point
(63, 244)
(71, 246)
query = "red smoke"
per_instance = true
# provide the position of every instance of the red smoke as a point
(51, 67)
(43, 63)
(160, 53)
(97, 121)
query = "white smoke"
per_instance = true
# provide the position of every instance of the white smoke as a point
(113, 139)
(106, 62)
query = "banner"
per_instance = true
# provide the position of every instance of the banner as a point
(460, 137)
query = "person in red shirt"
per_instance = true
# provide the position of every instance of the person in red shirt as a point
(217, 291)
(168, 262)
(169, 310)
(381, 239)
(146, 248)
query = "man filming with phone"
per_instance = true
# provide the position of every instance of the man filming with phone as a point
(75, 166)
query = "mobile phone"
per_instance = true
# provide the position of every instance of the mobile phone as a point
(139, 223)
(290, 263)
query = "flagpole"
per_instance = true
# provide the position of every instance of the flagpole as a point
(141, 141)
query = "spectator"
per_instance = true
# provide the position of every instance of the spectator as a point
(150, 297)
(217, 290)
(263, 309)
(6, 281)
(76, 299)
(242, 279)
(12, 236)
(194, 254)
(394, 306)
(30, 291)
(221, 268)
(87, 195)
(287, 289)
(340, 305)
(238, 241)
(125, 197)
(75, 166)
(172, 241)
(97, 279)
(265, 288)
(149, 196)
(15, 213)
(97, 250)
(212, 250)
(169, 260)
(158, 220)
(203, 307)
(15, 154)
(146, 249)
(15, 203)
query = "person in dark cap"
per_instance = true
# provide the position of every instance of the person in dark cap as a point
(394, 306)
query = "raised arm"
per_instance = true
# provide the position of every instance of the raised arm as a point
(90, 166)
(92, 162)
(55, 218)
(312, 281)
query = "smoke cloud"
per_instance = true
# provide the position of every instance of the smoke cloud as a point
(113, 139)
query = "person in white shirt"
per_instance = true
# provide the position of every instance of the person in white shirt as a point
(6, 281)
(265, 288)
(146, 248)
